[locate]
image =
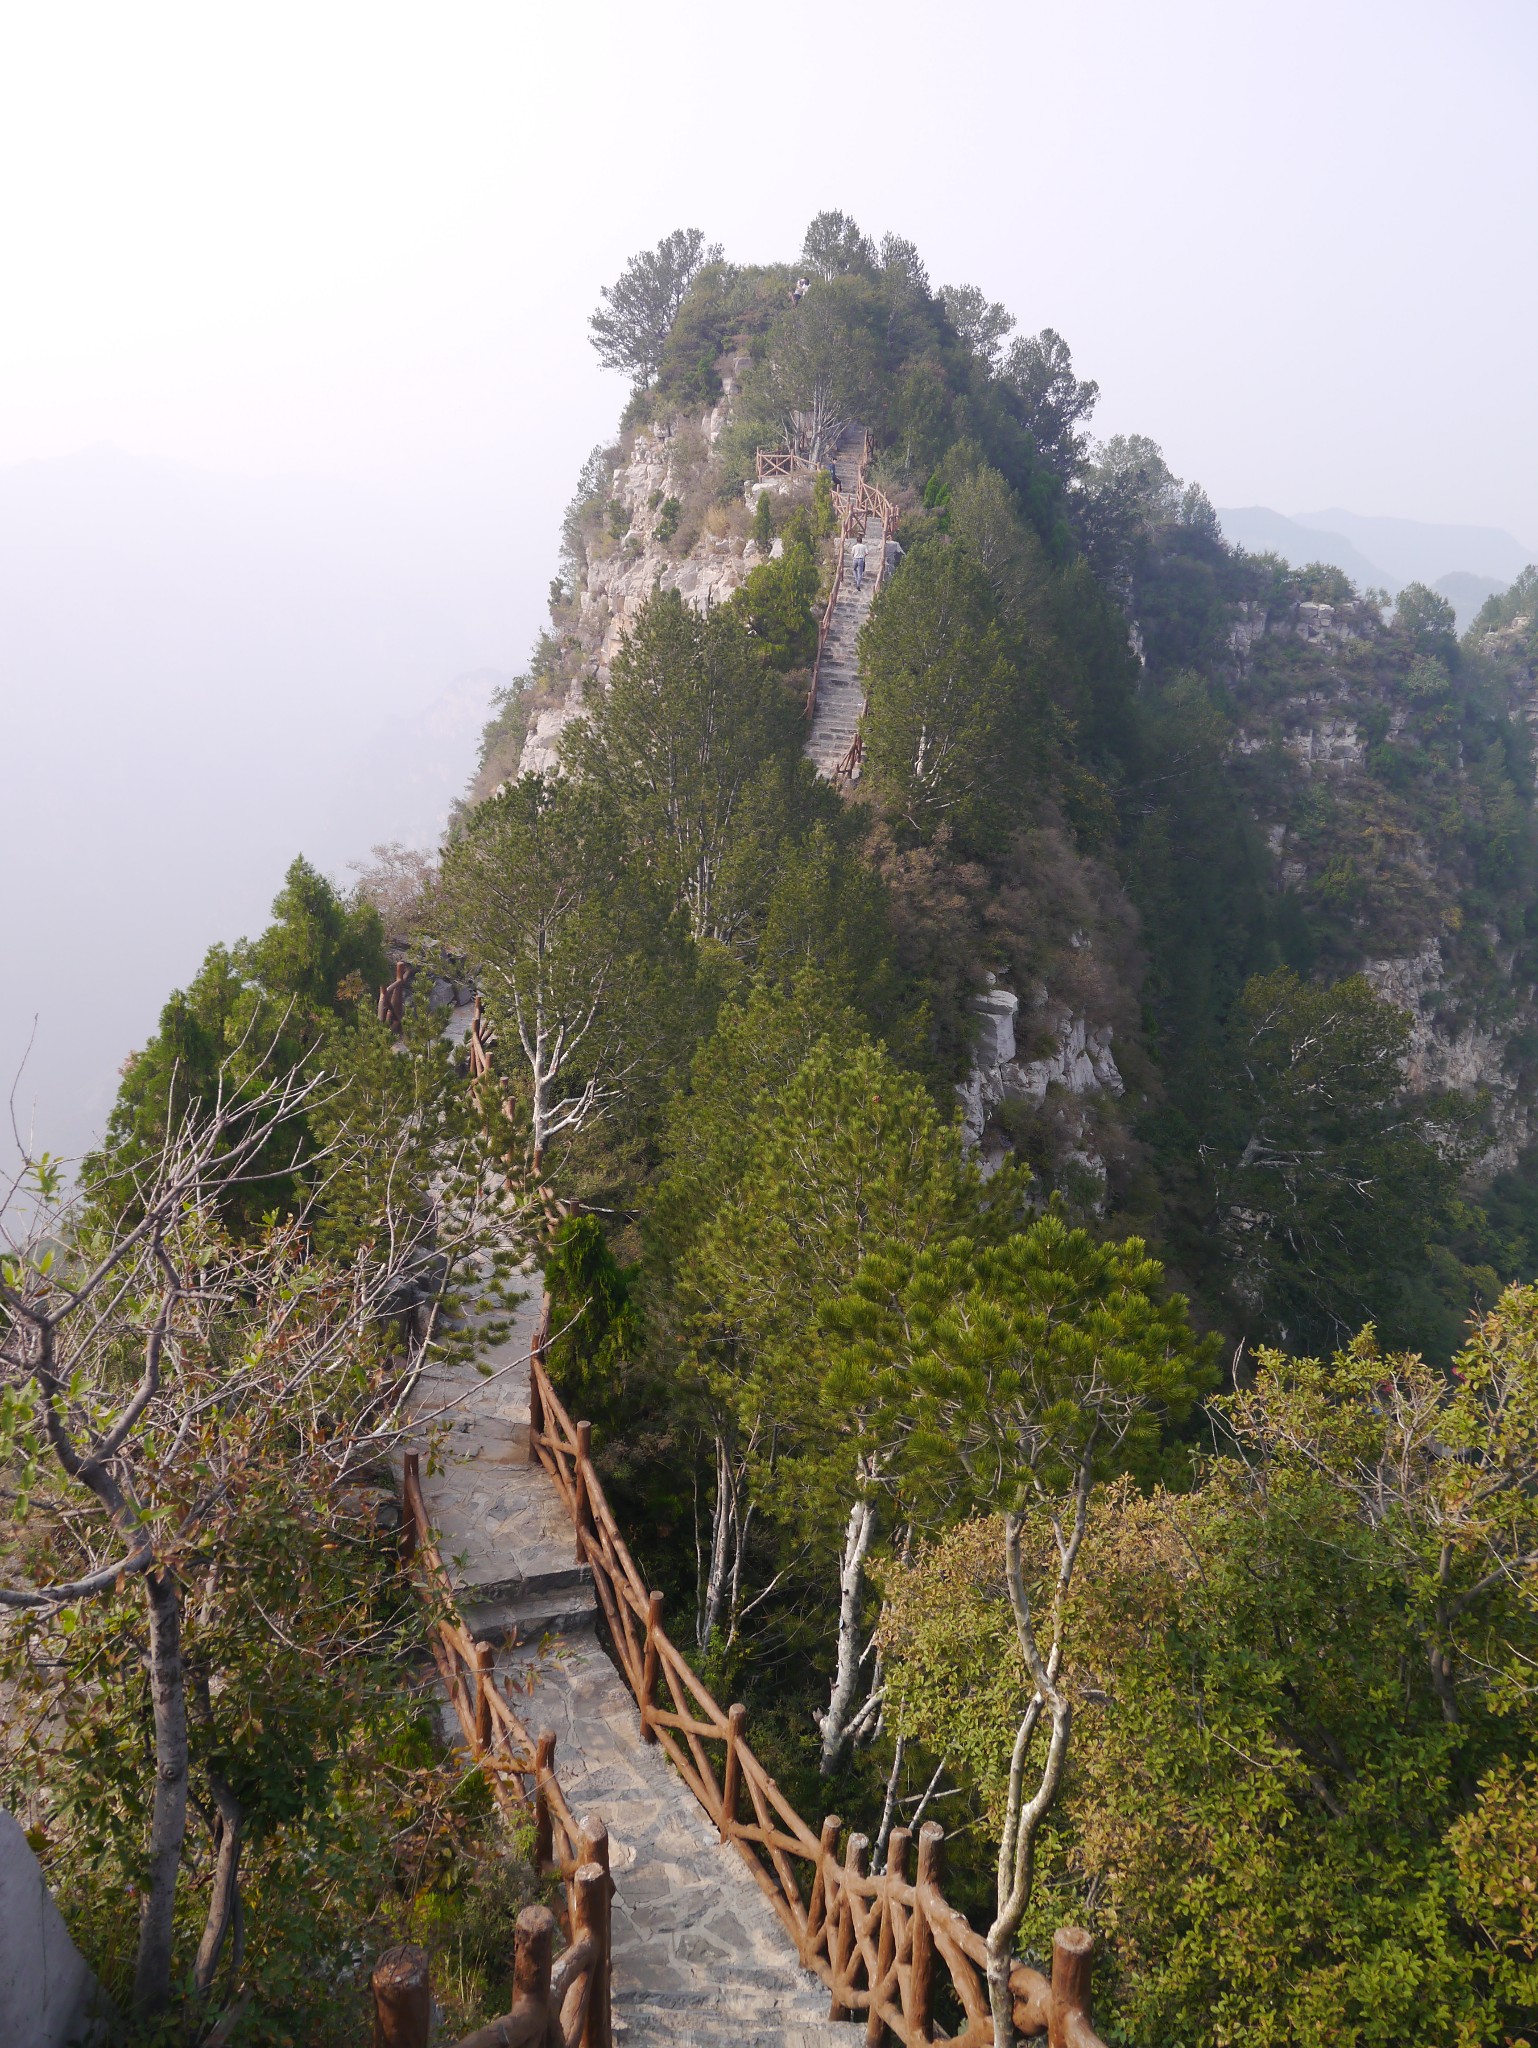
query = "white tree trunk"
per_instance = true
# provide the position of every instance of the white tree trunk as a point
(722, 1519)
(838, 1724)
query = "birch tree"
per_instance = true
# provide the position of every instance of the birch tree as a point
(853, 1160)
(755, 1052)
(1032, 1369)
(536, 895)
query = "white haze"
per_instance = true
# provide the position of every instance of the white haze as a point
(294, 378)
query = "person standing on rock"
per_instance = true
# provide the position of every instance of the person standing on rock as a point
(858, 560)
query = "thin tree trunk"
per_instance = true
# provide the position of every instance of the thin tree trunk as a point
(224, 1904)
(722, 1516)
(889, 1805)
(168, 1811)
(1023, 1817)
(836, 1723)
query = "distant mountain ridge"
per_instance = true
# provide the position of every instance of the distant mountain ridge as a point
(1466, 563)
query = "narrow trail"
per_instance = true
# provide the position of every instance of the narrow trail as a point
(840, 693)
(700, 1959)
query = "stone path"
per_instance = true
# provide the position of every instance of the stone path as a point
(700, 1959)
(840, 693)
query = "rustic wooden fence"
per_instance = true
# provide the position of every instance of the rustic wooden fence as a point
(565, 1999)
(884, 1943)
(853, 508)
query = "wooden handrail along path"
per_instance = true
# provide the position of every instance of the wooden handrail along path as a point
(854, 507)
(562, 2000)
(880, 1942)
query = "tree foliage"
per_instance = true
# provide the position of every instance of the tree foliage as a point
(942, 735)
(630, 329)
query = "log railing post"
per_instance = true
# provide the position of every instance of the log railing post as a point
(921, 1977)
(403, 1999)
(817, 1903)
(590, 1918)
(1073, 1955)
(536, 1409)
(544, 1771)
(731, 1775)
(533, 1950)
(649, 1667)
(485, 1661)
(886, 1948)
(593, 1854)
(843, 1943)
(411, 1481)
(579, 1477)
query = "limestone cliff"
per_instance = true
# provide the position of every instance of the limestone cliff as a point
(658, 523)
(1370, 772)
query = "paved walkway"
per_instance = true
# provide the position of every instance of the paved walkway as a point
(700, 1959)
(840, 701)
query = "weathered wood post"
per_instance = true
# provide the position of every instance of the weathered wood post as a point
(533, 1948)
(817, 1904)
(731, 1774)
(886, 1946)
(485, 1660)
(579, 1480)
(1073, 1956)
(590, 1919)
(403, 1999)
(536, 1408)
(593, 1853)
(843, 1946)
(544, 1771)
(411, 1480)
(921, 1981)
(649, 1667)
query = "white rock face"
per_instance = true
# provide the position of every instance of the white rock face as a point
(1249, 626)
(1081, 1063)
(1461, 1057)
(1332, 743)
(619, 583)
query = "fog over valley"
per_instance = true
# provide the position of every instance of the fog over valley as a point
(204, 675)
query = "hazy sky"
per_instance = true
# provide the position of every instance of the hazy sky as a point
(359, 244)
(1292, 242)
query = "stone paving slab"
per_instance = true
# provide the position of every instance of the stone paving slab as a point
(701, 1960)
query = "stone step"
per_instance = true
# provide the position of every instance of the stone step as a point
(529, 1617)
(720, 2016)
(643, 2029)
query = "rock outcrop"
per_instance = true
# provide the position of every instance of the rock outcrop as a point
(1079, 1064)
(48, 1996)
(638, 552)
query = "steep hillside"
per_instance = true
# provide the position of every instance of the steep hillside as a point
(1211, 768)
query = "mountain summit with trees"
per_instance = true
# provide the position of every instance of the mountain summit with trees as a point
(1042, 1221)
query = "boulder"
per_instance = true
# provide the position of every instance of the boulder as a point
(48, 1995)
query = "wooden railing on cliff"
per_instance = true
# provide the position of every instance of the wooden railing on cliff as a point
(883, 1943)
(564, 1999)
(853, 508)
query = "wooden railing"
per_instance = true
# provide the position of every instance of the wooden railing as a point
(882, 1942)
(825, 623)
(853, 508)
(570, 1994)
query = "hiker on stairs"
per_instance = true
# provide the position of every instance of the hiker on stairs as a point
(857, 558)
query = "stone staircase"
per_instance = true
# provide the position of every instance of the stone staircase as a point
(700, 1958)
(840, 695)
